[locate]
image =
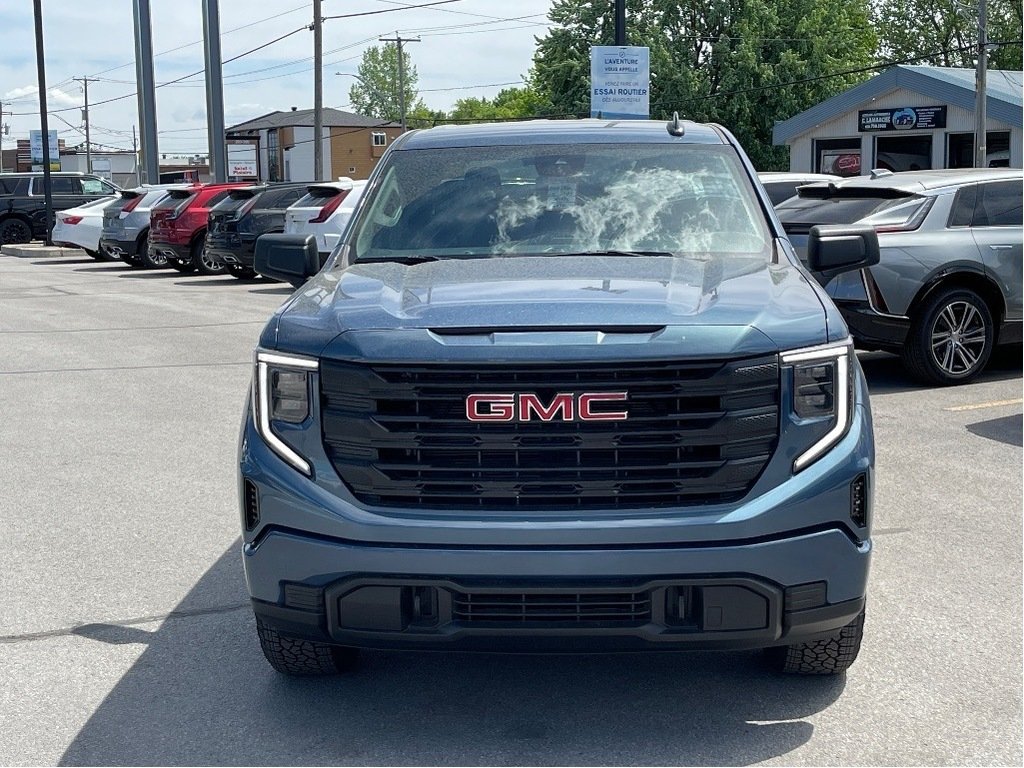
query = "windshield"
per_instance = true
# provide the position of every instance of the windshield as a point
(561, 199)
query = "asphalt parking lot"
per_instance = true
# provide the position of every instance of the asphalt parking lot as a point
(126, 638)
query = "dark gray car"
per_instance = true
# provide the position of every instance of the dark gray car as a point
(948, 287)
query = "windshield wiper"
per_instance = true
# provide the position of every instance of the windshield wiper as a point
(396, 259)
(616, 253)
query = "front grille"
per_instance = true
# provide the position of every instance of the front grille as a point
(621, 608)
(698, 432)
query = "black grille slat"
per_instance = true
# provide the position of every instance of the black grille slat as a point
(697, 433)
(628, 608)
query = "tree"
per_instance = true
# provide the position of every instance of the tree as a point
(510, 103)
(947, 30)
(375, 92)
(743, 63)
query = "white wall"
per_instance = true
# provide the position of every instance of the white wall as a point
(300, 156)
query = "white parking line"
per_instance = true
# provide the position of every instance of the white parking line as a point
(990, 404)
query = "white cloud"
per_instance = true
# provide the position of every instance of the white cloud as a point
(55, 97)
(460, 47)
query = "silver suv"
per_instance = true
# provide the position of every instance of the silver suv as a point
(948, 286)
(125, 233)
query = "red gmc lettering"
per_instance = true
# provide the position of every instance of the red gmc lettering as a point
(498, 407)
(527, 406)
(588, 400)
(563, 402)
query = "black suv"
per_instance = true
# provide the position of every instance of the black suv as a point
(243, 216)
(22, 210)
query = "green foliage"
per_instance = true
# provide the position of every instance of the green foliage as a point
(375, 92)
(730, 61)
(508, 104)
(949, 30)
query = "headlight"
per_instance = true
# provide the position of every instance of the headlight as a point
(822, 387)
(281, 391)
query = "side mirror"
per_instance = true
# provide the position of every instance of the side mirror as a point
(289, 258)
(837, 248)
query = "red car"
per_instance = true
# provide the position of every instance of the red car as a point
(177, 227)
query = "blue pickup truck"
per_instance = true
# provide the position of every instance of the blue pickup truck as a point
(562, 386)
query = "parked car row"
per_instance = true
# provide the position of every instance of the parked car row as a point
(22, 202)
(947, 290)
(207, 228)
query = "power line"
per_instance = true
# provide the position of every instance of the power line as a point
(390, 10)
(178, 80)
(462, 13)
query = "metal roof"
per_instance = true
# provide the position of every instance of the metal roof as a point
(333, 118)
(587, 131)
(946, 85)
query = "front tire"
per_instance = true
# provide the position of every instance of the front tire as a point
(303, 658)
(820, 657)
(951, 338)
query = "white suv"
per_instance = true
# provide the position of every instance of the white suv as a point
(324, 212)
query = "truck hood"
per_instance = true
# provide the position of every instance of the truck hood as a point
(735, 304)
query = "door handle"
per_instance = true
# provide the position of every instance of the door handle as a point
(1000, 247)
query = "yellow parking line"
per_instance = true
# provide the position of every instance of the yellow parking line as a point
(990, 404)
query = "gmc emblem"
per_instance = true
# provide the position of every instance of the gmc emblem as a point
(527, 406)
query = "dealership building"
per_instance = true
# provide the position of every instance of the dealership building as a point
(907, 118)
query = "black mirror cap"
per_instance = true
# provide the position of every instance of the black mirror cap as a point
(288, 258)
(836, 248)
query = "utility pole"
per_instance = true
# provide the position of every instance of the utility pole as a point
(980, 84)
(214, 92)
(5, 129)
(44, 124)
(146, 91)
(620, 22)
(135, 151)
(318, 92)
(85, 119)
(398, 40)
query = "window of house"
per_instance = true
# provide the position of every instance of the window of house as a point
(273, 168)
(960, 149)
(380, 139)
(838, 156)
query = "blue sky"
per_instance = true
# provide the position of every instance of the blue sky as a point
(96, 39)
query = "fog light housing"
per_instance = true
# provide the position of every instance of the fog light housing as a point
(860, 501)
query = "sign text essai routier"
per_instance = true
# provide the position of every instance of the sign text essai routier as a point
(527, 406)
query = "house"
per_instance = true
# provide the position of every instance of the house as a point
(351, 143)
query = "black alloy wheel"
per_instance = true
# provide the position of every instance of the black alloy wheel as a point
(14, 231)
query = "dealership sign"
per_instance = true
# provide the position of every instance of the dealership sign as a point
(35, 141)
(243, 168)
(620, 81)
(902, 119)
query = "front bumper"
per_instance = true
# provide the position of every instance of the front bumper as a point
(738, 596)
(872, 330)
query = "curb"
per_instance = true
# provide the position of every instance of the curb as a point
(30, 250)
